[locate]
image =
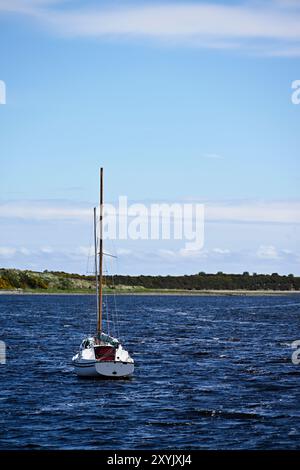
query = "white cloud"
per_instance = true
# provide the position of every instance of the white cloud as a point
(167, 254)
(181, 20)
(252, 27)
(267, 252)
(10, 252)
(203, 253)
(289, 51)
(147, 260)
(74, 251)
(37, 210)
(24, 251)
(7, 252)
(254, 211)
(213, 156)
(284, 212)
(46, 249)
(221, 251)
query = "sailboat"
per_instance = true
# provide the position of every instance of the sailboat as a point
(101, 355)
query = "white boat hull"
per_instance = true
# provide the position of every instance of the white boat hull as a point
(113, 369)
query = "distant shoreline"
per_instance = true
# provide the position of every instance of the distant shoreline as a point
(59, 282)
(158, 292)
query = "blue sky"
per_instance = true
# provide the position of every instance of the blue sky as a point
(178, 101)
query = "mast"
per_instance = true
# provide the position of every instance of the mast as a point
(96, 259)
(99, 324)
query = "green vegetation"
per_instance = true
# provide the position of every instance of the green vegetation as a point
(219, 281)
(55, 282)
(11, 279)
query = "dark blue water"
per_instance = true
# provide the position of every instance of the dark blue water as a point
(211, 373)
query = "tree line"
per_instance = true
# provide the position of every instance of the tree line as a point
(218, 281)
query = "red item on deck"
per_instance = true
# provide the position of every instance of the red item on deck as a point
(105, 353)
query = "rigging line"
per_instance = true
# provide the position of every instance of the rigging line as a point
(91, 326)
(114, 291)
(115, 297)
(107, 314)
(114, 323)
(116, 309)
(88, 263)
(116, 326)
(106, 300)
(115, 305)
(89, 249)
(104, 271)
(112, 314)
(114, 320)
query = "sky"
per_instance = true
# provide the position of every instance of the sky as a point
(178, 101)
